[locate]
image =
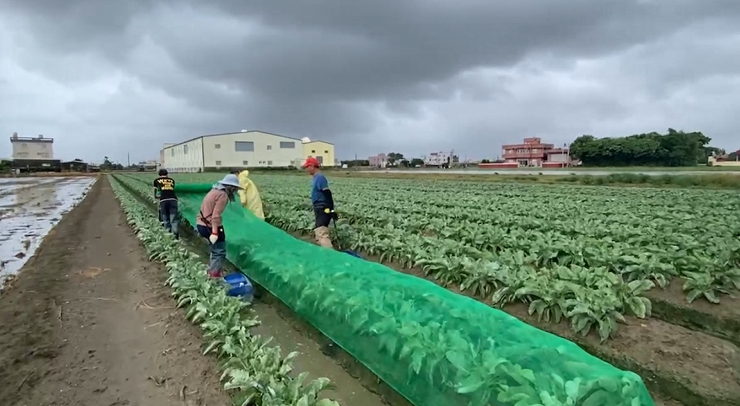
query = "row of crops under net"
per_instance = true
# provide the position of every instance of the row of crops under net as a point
(431, 345)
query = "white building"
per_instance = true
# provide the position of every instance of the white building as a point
(232, 150)
(32, 148)
(440, 159)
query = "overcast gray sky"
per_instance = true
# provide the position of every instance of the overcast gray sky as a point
(111, 77)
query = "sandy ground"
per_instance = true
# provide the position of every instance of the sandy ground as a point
(88, 322)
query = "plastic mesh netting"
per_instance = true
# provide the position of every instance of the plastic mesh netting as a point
(432, 346)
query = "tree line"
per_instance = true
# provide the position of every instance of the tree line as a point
(675, 148)
(394, 159)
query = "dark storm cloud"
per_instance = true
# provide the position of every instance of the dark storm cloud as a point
(382, 75)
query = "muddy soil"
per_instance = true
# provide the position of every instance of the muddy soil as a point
(722, 320)
(88, 322)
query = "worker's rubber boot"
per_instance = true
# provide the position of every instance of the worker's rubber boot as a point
(322, 237)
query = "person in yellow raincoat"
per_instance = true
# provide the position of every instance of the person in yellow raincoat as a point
(249, 195)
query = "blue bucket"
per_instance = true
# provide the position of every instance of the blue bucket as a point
(238, 285)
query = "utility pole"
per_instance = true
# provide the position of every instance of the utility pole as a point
(128, 159)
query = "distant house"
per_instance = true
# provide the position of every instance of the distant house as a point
(532, 153)
(441, 159)
(34, 154)
(723, 160)
(32, 148)
(76, 165)
(378, 161)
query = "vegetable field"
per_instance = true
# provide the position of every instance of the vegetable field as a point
(258, 373)
(644, 278)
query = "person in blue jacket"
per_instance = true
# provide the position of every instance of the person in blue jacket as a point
(323, 202)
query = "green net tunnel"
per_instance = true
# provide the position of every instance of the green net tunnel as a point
(432, 346)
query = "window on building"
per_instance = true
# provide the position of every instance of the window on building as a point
(269, 147)
(218, 163)
(217, 146)
(313, 151)
(244, 146)
(269, 162)
(24, 145)
(326, 151)
(320, 159)
(245, 163)
(184, 149)
(287, 144)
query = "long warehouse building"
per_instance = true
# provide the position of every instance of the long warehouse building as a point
(245, 149)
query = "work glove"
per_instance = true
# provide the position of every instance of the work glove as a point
(213, 238)
(332, 213)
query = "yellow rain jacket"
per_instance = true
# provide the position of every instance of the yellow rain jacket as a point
(249, 195)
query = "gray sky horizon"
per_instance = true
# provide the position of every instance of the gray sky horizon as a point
(111, 78)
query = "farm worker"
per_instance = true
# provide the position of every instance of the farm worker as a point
(210, 224)
(249, 195)
(164, 190)
(322, 200)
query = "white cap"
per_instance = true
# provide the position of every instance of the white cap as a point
(230, 180)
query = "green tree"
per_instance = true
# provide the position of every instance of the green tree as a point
(394, 158)
(675, 148)
(106, 165)
(416, 162)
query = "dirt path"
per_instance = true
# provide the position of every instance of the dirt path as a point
(88, 322)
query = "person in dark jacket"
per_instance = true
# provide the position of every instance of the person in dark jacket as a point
(323, 202)
(164, 190)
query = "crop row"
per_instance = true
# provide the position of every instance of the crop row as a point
(593, 268)
(641, 248)
(258, 373)
(431, 345)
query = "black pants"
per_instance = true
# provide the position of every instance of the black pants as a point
(322, 219)
(168, 215)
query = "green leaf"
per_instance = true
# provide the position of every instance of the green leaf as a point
(470, 384)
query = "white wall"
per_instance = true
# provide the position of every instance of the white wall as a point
(186, 157)
(220, 150)
(32, 149)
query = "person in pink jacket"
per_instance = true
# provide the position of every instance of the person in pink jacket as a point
(210, 223)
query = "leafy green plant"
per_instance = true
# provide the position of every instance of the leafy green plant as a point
(257, 372)
(416, 334)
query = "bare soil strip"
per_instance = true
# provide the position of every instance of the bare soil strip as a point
(87, 322)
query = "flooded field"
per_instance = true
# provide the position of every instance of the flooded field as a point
(29, 208)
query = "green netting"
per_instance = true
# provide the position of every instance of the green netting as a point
(432, 346)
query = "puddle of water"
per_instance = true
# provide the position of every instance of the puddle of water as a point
(27, 214)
